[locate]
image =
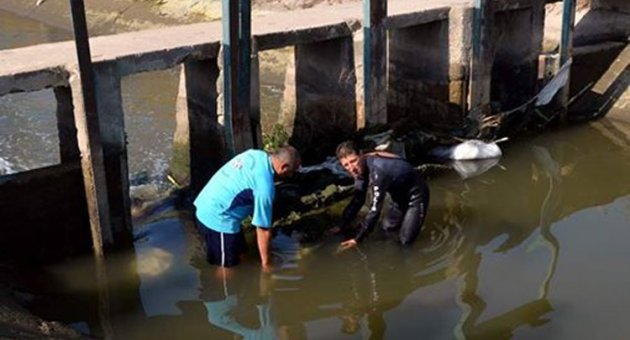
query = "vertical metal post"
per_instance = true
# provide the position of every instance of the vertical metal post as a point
(476, 90)
(92, 162)
(566, 49)
(89, 136)
(244, 69)
(374, 61)
(230, 65)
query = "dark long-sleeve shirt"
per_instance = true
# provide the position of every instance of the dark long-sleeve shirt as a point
(394, 176)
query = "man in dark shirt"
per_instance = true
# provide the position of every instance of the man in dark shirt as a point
(383, 172)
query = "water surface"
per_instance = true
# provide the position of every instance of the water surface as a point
(534, 248)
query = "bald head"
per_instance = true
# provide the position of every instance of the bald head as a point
(286, 160)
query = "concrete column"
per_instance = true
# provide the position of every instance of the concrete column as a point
(322, 86)
(68, 145)
(114, 140)
(199, 149)
(419, 74)
(459, 42)
(92, 166)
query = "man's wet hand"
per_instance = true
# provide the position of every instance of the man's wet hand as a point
(266, 268)
(345, 245)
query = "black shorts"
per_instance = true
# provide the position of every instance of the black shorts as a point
(222, 249)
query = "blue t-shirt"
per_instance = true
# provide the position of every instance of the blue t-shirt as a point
(243, 186)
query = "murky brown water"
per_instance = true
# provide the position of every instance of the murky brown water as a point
(534, 248)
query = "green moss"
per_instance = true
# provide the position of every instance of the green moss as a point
(276, 138)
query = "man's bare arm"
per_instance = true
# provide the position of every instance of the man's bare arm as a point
(263, 237)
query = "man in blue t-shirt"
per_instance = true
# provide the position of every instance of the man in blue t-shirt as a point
(244, 186)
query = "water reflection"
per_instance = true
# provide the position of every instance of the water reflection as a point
(533, 248)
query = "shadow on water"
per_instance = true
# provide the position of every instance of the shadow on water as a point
(532, 248)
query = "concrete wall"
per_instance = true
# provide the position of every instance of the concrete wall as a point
(50, 222)
(320, 99)
(514, 67)
(419, 73)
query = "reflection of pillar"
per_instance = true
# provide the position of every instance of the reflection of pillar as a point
(323, 85)
(68, 145)
(198, 149)
(114, 139)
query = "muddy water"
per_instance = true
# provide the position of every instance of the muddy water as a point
(534, 248)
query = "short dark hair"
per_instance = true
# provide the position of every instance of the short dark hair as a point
(347, 148)
(289, 155)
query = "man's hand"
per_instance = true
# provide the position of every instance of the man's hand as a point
(266, 268)
(345, 245)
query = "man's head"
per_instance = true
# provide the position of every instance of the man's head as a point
(285, 161)
(351, 158)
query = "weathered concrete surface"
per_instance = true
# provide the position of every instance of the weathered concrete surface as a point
(517, 41)
(323, 110)
(419, 77)
(199, 148)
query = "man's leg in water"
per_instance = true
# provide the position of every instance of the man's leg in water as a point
(414, 218)
(393, 218)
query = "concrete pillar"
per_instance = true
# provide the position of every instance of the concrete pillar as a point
(199, 148)
(92, 164)
(459, 42)
(68, 145)
(419, 74)
(322, 87)
(114, 140)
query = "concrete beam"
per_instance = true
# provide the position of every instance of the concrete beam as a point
(402, 20)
